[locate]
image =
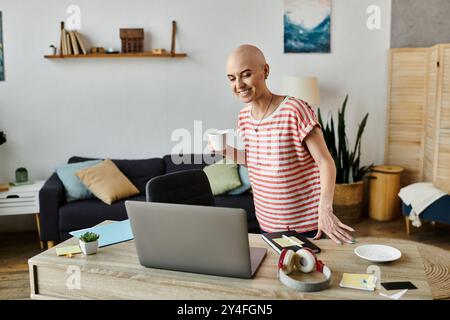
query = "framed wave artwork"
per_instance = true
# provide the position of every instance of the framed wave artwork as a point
(307, 26)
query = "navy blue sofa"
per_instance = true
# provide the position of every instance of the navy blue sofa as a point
(58, 217)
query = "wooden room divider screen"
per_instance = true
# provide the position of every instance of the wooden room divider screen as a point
(418, 114)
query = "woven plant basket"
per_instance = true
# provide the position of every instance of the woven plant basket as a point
(348, 202)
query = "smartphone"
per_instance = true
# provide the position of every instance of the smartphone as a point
(398, 285)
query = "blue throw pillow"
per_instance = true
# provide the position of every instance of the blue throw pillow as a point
(75, 189)
(243, 174)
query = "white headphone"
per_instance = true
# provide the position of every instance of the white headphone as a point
(304, 260)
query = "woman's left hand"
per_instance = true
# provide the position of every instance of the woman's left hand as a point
(333, 228)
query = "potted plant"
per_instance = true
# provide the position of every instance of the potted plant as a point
(348, 194)
(89, 243)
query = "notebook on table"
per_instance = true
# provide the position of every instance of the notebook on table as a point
(278, 242)
(110, 233)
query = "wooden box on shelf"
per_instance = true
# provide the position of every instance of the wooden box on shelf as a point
(132, 40)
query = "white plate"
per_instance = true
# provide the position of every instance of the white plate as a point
(378, 253)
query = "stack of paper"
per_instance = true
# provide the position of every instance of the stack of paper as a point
(359, 281)
(394, 296)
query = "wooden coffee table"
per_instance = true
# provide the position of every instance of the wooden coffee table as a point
(437, 269)
(115, 273)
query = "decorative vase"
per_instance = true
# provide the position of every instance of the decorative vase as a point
(89, 247)
(52, 50)
(348, 201)
(21, 175)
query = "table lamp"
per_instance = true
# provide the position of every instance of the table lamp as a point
(305, 88)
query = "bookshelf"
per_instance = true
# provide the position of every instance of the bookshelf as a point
(117, 55)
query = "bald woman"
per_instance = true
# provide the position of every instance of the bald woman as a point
(291, 170)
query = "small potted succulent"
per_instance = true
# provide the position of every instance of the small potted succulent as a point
(89, 243)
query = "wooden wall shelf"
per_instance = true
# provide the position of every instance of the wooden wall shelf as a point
(118, 55)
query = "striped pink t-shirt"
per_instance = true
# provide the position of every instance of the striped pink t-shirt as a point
(283, 174)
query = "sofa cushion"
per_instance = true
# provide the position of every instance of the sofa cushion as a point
(243, 176)
(75, 189)
(138, 171)
(222, 177)
(82, 214)
(175, 162)
(107, 182)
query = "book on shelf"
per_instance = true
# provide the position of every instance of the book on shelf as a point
(80, 42)
(74, 43)
(278, 242)
(69, 45)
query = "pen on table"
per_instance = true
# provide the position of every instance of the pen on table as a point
(295, 242)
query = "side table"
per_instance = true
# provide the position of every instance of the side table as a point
(22, 200)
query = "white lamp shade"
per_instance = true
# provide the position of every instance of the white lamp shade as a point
(303, 88)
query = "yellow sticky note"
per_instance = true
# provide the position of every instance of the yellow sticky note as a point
(68, 250)
(297, 240)
(283, 242)
(358, 281)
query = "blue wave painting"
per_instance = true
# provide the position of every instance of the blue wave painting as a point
(2, 69)
(305, 30)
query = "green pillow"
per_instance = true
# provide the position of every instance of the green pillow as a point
(222, 177)
(243, 176)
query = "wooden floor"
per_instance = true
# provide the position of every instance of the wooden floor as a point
(436, 235)
(16, 248)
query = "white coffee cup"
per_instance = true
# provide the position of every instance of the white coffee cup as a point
(218, 139)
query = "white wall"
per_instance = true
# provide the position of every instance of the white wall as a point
(52, 109)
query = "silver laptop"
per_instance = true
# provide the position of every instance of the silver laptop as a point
(199, 239)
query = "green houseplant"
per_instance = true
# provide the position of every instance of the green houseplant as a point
(348, 196)
(89, 242)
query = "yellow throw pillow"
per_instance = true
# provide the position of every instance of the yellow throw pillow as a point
(107, 182)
